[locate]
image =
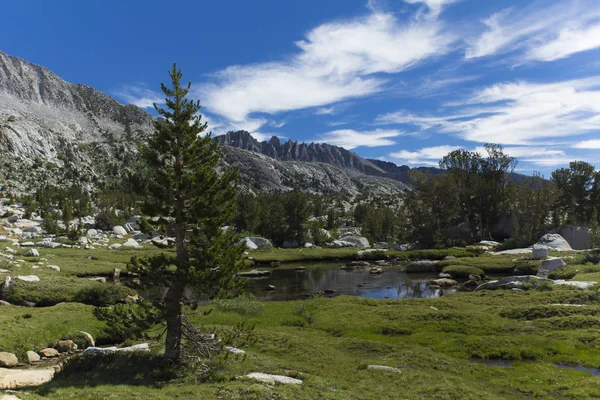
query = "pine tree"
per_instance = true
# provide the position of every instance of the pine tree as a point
(187, 188)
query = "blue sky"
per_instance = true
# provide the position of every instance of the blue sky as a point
(401, 80)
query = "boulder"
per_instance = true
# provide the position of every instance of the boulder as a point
(539, 252)
(8, 359)
(553, 241)
(32, 253)
(422, 266)
(4, 303)
(89, 339)
(578, 237)
(290, 244)
(33, 229)
(550, 265)
(29, 278)
(54, 267)
(358, 241)
(119, 230)
(272, 379)
(259, 242)
(49, 353)
(13, 218)
(132, 244)
(115, 246)
(64, 346)
(99, 279)
(32, 357)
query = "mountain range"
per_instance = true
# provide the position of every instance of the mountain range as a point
(53, 131)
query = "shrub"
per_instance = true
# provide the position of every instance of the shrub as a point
(102, 295)
(570, 271)
(462, 271)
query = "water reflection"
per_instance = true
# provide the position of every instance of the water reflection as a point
(393, 283)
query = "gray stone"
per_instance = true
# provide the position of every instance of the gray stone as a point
(32, 357)
(577, 284)
(578, 236)
(29, 278)
(32, 253)
(553, 241)
(272, 379)
(422, 266)
(382, 368)
(8, 359)
(290, 244)
(65, 346)
(549, 265)
(90, 339)
(115, 246)
(512, 282)
(539, 252)
(119, 230)
(131, 243)
(49, 353)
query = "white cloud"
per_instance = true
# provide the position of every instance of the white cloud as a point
(435, 6)
(587, 144)
(140, 96)
(518, 113)
(350, 139)
(568, 42)
(546, 31)
(336, 61)
(424, 156)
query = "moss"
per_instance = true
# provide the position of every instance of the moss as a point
(462, 271)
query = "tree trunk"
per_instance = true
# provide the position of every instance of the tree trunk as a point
(173, 318)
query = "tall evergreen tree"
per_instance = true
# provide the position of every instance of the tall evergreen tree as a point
(187, 188)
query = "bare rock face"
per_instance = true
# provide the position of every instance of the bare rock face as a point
(48, 122)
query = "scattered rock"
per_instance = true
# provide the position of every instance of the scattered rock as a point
(54, 267)
(32, 252)
(64, 346)
(443, 282)
(32, 357)
(115, 246)
(99, 279)
(131, 243)
(445, 275)
(234, 350)
(8, 360)
(90, 339)
(119, 230)
(376, 271)
(422, 266)
(382, 368)
(550, 265)
(4, 303)
(272, 379)
(29, 278)
(577, 284)
(49, 353)
(539, 252)
(271, 287)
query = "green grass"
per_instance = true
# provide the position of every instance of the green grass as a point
(24, 328)
(327, 254)
(571, 271)
(329, 342)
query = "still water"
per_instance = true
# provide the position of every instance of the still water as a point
(328, 278)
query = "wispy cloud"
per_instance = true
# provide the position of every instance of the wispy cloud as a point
(336, 61)
(435, 6)
(518, 113)
(544, 31)
(568, 42)
(350, 139)
(139, 95)
(592, 144)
